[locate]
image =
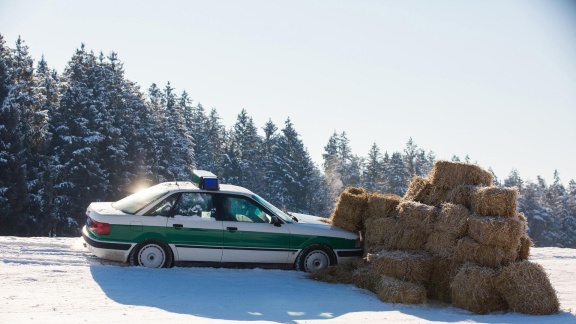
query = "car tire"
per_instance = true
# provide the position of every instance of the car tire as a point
(314, 258)
(152, 254)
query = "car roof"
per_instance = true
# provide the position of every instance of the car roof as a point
(187, 185)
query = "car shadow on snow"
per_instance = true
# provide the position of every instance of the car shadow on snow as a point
(260, 295)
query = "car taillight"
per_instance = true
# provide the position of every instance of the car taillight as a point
(98, 228)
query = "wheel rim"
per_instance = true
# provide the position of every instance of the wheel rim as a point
(151, 256)
(316, 261)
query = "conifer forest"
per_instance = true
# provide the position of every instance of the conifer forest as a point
(68, 138)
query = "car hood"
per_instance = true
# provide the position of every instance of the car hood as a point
(313, 225)
(309, 219)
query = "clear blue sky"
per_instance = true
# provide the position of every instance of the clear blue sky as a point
(495, 80)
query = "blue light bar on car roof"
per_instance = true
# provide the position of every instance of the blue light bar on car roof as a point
(205, 180)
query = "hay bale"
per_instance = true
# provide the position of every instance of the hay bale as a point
(364, 278)
(415, 215)
(349, 209)
(468, 250)
(474, 288)
(443, 272)
(452, 219)
(413, 267)
(523, 218)
(527, 289)
(441, 243)
(495, 201)
(418, 189)
(338, 273)
(381, 233)
(381, 205)
(462, 195)
(412, 239)
(435, 196)
(392, 290)
(447, 174)
(525, 241)
(500, 231)
(524, 248)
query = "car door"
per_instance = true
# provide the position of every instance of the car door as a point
(248, 234)
(193, 229)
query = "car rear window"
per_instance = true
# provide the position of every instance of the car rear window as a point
(135, 202)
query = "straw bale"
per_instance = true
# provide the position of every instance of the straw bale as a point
(441, 243)
(413, 267)
(415, 215)
(495, 201)
(412, 239)
(527, 289)
(500, 231)
(349, 209)
(381, 205)
(443, 272)
(435, 196)
(494, 256)
(462, 195)
(524, 248)
(475, 289)
(381, 233)
(338, 273)
(392, 290)
(325, 220)
(418, 189)
(523, 218)
(364, 278)
(452, 219)
(448, 174)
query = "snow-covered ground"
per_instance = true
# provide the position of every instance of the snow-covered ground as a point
(55, 280)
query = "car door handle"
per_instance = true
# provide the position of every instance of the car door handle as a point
(177, 225)
(232, 229)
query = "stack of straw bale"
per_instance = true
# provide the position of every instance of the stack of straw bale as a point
(452, 237)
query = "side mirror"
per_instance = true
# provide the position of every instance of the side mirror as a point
(276, 221)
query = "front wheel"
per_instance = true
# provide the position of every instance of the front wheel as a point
(314, 258)
(151, 254)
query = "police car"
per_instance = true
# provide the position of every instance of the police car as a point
(207, 222)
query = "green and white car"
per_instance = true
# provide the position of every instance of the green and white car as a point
(203, 221)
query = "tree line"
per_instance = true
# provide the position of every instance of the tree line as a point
(89, 134)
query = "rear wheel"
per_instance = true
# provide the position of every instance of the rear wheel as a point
(314, 258)
(152, 254)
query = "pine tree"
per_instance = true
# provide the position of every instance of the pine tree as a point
(22, 141)
(179, 145)
(42, 191)
(410, 155)
(80, 120)
(13, 190)
(398, 176)
(274, 189)
(372, 175)
(514, 180)
(213, 155)
(244, 147)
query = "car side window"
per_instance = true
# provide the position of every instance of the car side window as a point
(195, 204)
(240, 209)
(164, 208)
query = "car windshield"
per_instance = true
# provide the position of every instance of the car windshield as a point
(133, 203)
(274, 209)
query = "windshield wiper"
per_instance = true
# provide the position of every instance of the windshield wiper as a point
(293, 217)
